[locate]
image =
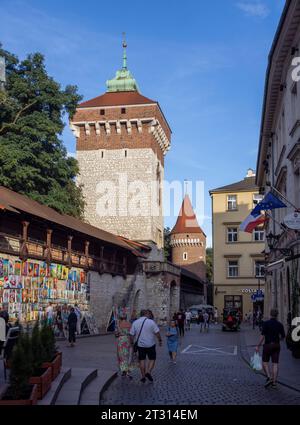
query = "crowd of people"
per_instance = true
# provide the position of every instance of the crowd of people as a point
(136, 340)
(65, 320)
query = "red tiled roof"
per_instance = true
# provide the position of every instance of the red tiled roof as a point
(16, 202)
(187, 221)
(117, 99)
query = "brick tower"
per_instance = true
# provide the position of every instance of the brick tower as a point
(122, 138)
(188, 241)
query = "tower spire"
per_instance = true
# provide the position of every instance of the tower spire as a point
(124, 44)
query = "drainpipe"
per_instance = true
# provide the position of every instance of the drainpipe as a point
(275, 301)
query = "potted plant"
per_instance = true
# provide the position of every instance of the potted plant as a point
(19, 391)
(41, 376)
(52, 357)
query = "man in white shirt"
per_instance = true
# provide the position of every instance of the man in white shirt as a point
(188, 318)
(144, 331)
(206, 321)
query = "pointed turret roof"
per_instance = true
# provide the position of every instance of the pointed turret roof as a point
(187, 220)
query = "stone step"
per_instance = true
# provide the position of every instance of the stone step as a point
(56, 386)
(92, 393)
(70, 393)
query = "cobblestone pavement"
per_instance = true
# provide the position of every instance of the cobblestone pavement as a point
(209, 370)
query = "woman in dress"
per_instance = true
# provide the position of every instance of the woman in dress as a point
(124, 348)
(172, 340)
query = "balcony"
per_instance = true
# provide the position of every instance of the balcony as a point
(160, 267)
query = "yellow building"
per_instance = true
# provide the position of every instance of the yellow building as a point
(238, 270)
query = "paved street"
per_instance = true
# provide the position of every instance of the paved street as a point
(209, 370)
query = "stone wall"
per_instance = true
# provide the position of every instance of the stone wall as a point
(159, 293)
(114, 211)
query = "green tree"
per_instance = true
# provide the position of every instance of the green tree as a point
(33, 159)
(167, 246)
(209, 264)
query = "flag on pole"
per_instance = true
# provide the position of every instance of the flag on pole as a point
(252, 221)
(270, 202)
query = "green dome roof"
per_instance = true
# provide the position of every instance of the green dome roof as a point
(123, 80)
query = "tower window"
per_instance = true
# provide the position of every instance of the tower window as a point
(185, 256)
(125, 152)
(102, 154)
(123, 110)
(102, 111)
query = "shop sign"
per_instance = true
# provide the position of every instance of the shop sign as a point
(292, 221)
(250, 290)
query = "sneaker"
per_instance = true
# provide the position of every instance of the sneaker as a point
(274, 386)
(148, 376)
(268, 382)
(143, 380)
(174, 362)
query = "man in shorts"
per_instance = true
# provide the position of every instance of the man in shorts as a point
(144, 331)
(272, 333)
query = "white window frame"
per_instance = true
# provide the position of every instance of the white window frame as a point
(185, 256)
(231, 202)
(260, 232)
(231, 232)
(260, 267)
(229, 267)
(257, 197)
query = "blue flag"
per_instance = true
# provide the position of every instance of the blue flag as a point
(270, 202)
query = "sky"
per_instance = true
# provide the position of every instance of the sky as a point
(204, 61)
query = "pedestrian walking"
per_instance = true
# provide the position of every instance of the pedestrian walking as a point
(124, 346)
(172, 341)
(58, 321)
(78, 314)
(216, 316)
(206, 321)
(72, 323)
(49, 314)
(200, 320)
(64, 316)
(143, 332)
(180, 322)
(272, 333)
(188, 318)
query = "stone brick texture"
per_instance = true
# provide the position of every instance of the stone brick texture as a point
(196, 254)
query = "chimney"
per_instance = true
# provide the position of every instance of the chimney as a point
(250, 173)
(2, 73)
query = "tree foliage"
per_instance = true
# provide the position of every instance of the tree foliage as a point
(33, 159)
(167, 246)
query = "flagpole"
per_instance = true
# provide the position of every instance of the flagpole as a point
(280, 194)
(275, 221)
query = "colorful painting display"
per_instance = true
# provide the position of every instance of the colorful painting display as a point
(27, 287)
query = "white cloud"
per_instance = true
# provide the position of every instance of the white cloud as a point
(255, 9)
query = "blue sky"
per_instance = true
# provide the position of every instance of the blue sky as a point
(204, 61)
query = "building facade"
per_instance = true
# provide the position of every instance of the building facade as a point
(278, 163)
(49, 257)
(122, 138)
(238, 258)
